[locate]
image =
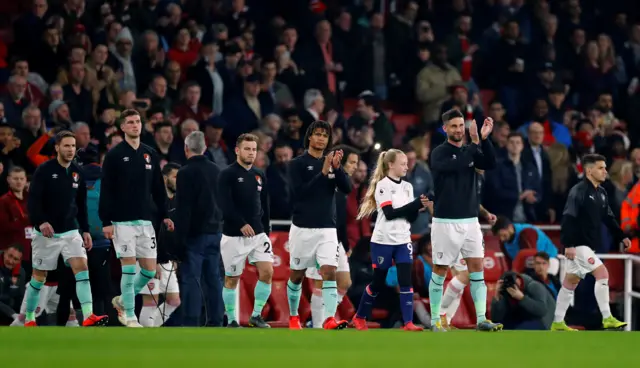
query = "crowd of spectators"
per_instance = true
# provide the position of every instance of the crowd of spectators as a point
(560, 79)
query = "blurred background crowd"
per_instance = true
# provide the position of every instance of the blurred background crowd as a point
(560, 79)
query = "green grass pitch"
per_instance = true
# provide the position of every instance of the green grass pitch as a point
(176, 347)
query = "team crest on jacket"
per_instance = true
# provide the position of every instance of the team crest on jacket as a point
(147, 158)
(259, 179)
(75, 176)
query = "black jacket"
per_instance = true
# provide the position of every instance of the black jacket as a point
(58, 195)
(244, 200)
(586, 209)
(197, 210)
(130, 178)
(168, 244)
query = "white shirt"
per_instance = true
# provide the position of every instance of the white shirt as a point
(395, 194)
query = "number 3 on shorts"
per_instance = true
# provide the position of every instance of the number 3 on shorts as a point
(153, 242)
(267, 247)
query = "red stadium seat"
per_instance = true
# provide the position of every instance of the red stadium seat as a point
(403, 122)
(378, 314)
(554, 235)
(486, 96)
(494, 265)
(616, 273)
(492, 242)
(350, 105)
(246, 305)
(524, 260)
(280, 255)
(491, 292)
(346, 310)
(465, 316)
(280, 309)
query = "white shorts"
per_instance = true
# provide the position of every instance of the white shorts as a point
(450, 240)
(460, 264)
(343, 265)
(236, 249)
(584, 263)
(45, 251)
(164, 283)
(313, 248)
(134, 241)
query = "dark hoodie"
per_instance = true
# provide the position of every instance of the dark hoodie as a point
(89, 159)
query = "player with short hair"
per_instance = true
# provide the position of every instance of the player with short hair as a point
(244, 201)
(166, 280)
(453, 293)
(455, 229)
(131, 177)
(350, 161)
(313, 240)
(57, 206)
(586, 209)
(392, 198)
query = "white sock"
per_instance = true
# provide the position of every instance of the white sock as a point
(451, 298)
(453, 308)
(601, 291)
(23, 306)
(340, 296)
(423, 314)
(147, 318)
(317, 310)
(565, 296)
(166, 308)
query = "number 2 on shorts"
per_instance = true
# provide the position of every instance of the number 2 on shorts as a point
(267, 247)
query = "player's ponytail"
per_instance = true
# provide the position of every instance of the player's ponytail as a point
(368, 205)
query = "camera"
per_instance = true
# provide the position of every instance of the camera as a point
(508, 280)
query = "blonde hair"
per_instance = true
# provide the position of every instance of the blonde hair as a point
(618, 170)
(560, 162)
(368, 205)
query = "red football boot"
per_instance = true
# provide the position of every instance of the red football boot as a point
(411, 327)
(331, 324)
(294, 323)
(360, 324)
(95, 321)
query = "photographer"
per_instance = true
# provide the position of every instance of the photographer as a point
(521, 303)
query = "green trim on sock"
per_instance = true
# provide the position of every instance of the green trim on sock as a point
(32, 298)
(126, 288)
(436, 286)
(229, 299)
(478, 290)
(293, 296)
(83, 291)
(330, 298)
(142, 279)
(261, 296)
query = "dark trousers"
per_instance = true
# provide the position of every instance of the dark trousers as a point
(99, 262)
(202, 263)
(67, 292)
(6, 314)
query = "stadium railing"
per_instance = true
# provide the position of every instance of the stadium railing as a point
(629, 260)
